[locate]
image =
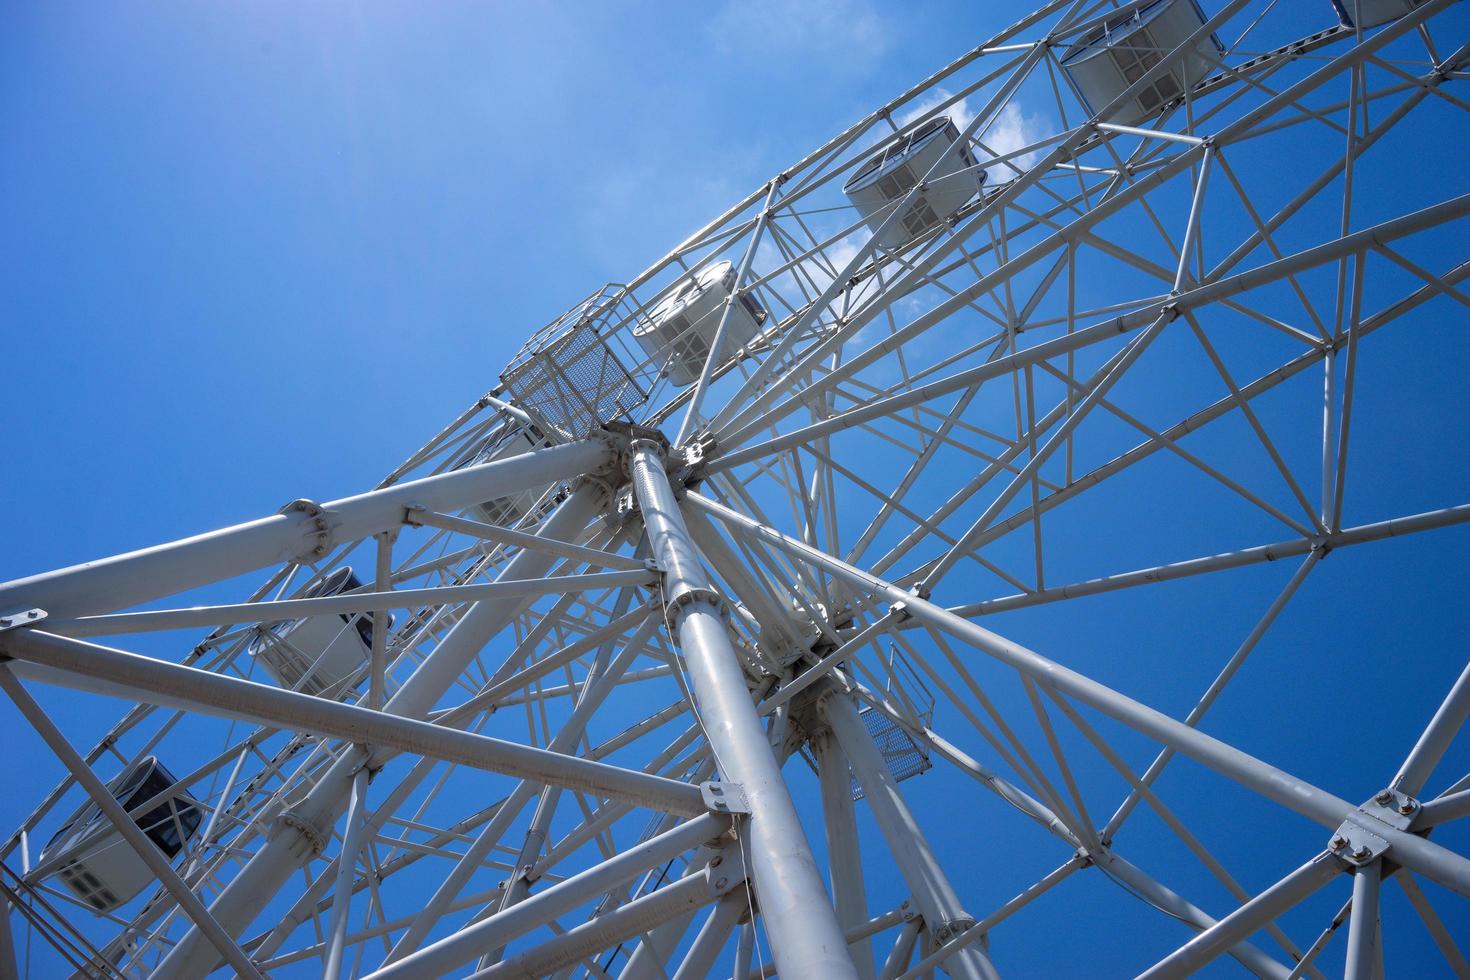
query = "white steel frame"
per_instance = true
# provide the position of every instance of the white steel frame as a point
(577, 751)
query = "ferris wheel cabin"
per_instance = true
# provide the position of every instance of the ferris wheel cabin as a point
(934, 154)
(1111, 57)
(1373, 13)
(511, 508)
(680, 331)
(316, 653)
(101, 868)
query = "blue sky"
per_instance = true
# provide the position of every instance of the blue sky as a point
(257, 252)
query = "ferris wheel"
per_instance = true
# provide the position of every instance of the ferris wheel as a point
(803, 606)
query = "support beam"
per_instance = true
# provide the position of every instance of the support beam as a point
(291, 843)
(844, 855)
(608, 929)
(1433, 861)
(597, 688)
(699, 962)
(938, 903)
(1253, 915)
(502, 927)
(342, 605)
(346, 865)
(127, 827)
(1362, 941)
(232, 697)
(798, 915)
(294, 535)
(1436, 739)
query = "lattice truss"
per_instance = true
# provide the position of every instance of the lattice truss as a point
(956, 451)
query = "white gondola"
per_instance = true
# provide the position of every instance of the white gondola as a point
(101, 868)
(932, 153)
(1111, 57)
(679, 332)
(508, 510)
(1371, 13)
(316, 653)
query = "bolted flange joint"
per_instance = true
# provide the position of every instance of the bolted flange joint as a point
(308, 831)
(318, 520)
(952, 928)
(690, 597)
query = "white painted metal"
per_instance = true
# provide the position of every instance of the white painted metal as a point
(950, 347)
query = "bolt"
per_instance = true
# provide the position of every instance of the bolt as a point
(1385, 797)
(1339, 842)
(32, 614)
(1362, 853)
(4, 620)
(721, 883)
(1407, 807)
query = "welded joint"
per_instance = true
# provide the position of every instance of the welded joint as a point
(26, 617)
(1359, 841)
(318, 520)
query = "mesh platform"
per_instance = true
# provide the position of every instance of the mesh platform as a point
(569, 372)
(905, 757)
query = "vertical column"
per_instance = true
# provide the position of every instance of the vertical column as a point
(805, 936)
(844, 857)
(944, 917)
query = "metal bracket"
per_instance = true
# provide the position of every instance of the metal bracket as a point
(1393, 808)
(724, 797)
(28, 617)
(625, 503)
(725, 871)
(318, 517)
(1357, 842)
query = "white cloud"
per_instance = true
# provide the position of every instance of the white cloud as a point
(1012, 129)
(960, 113)
(852, 30)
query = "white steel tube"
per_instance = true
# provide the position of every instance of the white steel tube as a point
(267, 871)
(542, 907)
(1285, 894)
(605, 930)
(126, 827)
(798, 915)
(844, 856)
(125, 580)
(346, 865)
(346, 604)
(936, 898)
(232, 697)
(1436, 739)
(700, 960)
(1362, 941)
(565, 742)
(1448, 868)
